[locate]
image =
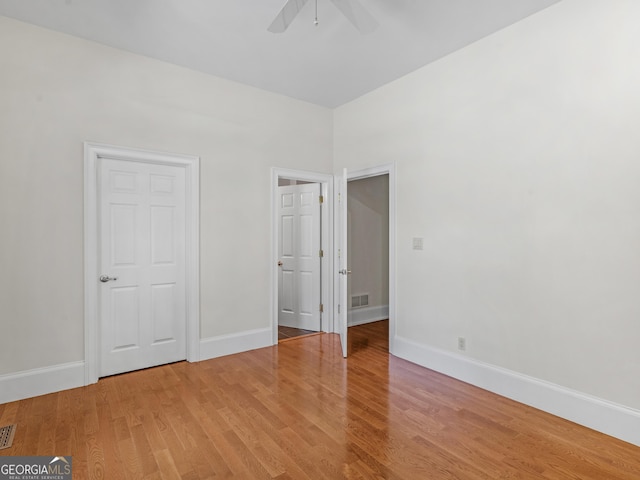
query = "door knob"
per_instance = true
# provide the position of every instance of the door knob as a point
(280, 263)
(107, 278)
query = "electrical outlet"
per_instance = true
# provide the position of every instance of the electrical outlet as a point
(462, 343)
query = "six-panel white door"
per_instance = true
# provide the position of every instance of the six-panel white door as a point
(142, 305)
(299, 256)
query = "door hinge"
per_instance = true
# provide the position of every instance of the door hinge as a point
(321, 253)
(321, 308)
(338, 308)
(321, 198)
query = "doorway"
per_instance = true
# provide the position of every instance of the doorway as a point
(368, 254)
(141, 259)
(299, 254)
(301, 249)
(370, 243)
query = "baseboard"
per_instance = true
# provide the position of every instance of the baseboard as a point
(360, 316)
(214, 347)
(592, 412)
(41, 381)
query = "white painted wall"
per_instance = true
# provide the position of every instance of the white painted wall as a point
(368, 244)
(518, 162)
(56, 92)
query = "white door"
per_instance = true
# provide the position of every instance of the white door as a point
(299, 256)
(142, 235)
(342, 264)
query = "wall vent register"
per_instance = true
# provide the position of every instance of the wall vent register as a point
(358, 301)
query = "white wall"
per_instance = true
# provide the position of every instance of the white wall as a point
(56, 92)
(518, 162)
(368, 246)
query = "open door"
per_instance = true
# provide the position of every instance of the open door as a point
(342, 266)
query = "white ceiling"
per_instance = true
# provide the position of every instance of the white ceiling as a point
(328, 65)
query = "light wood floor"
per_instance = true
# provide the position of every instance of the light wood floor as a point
(287, 333)
(299, 411)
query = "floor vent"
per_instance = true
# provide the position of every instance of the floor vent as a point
(6, 436)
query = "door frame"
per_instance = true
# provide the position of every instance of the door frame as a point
(93, 152)
(326, 219)
(388, 169)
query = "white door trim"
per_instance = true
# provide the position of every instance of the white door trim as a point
(326, 190)
(389, 169)
(92, 154)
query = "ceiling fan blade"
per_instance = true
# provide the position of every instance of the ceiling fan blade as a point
(286, 16)
(357, 15)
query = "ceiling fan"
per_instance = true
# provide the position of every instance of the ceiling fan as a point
(352, 9)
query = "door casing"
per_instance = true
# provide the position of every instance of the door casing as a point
(93, 152)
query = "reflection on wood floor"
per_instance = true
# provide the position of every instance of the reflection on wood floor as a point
(286, 333)
(299, 410)
(369, 335)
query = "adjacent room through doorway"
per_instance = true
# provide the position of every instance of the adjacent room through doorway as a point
(368, 254)
(299, 254)
(300, 240)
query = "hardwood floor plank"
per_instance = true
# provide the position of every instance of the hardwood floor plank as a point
(301, 411)
(251, 466)
(103, 448)
(144, 451)
(130, 458)
(95, 460)
(167, 467)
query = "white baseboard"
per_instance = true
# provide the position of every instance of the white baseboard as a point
(41, 381)
(214, 347)
(592, 412)
(360, 316)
